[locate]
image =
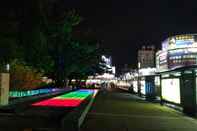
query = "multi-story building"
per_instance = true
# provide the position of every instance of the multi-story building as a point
(177, 65)
(177, 51)
(146, 57)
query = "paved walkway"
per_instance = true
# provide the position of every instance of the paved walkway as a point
(116, 110)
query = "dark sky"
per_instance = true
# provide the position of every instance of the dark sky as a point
(126, 25)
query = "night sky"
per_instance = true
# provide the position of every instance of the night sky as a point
(124, 26)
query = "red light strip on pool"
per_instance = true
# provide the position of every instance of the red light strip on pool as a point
(59, 103)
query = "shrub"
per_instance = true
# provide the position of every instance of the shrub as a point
(24, 77)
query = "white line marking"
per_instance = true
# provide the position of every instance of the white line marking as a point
(82, 117)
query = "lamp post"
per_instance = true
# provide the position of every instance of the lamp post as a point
(4, 86)
(138, 79)
(8, 67)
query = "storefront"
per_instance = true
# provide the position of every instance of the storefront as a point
(178, 87)
(177, 65)
(148, 84)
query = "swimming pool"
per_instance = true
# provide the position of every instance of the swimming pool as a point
(72, 99)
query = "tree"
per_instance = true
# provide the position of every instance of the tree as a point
(87, 62)
(40, 35)
(23, 77)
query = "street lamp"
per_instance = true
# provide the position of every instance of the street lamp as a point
(8, 67)
(138, 79)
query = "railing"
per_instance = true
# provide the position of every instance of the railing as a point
(16, 94)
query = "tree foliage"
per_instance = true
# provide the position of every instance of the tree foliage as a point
(24, 77)
(40, 35)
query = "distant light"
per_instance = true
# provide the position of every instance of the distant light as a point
(139, 65)
(8, 67)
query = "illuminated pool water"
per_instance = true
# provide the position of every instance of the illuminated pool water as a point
(72, 99)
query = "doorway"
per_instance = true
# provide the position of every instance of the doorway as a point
(188, 95)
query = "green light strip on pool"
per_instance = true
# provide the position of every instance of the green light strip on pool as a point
(74, 95)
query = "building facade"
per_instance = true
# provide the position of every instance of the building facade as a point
(146, 57)
(177, 51)
(177, 65)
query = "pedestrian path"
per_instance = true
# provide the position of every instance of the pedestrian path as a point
(121, 111)
(131, 116)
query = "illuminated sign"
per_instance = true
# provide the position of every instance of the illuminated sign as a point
(177, 51)
(183, 42)
(171, 90)
(161, 61)
(179, 41)
(184, 37)
(163, 57)
(175, 58)
(182, 57)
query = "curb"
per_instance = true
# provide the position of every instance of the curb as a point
(75, 119)
(83, 115)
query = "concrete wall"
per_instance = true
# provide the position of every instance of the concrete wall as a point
(4, 88)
